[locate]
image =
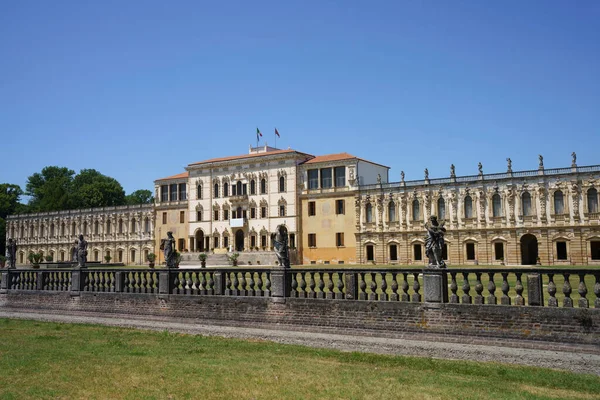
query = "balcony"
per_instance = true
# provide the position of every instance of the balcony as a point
(238, 198)
(238, 222)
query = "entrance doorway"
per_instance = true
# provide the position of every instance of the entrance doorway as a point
(239, 240)
(529, 249)
(200, 241)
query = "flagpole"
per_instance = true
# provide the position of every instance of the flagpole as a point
(275, 139)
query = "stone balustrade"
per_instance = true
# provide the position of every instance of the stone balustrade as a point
(545, 287)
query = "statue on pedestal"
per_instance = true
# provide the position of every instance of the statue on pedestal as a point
(81, 252)
(280, 244)
(434, 242)
(168, 246)
(11, 253)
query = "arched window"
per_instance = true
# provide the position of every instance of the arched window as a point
(146, 225)
(85, 227)
(252, 186)
(199, 192)
(592, 197)
(42, 230)
(392, 212)
(62, 229)
(216, 190)
(559, 203)
(73, 229)
(22, 231)
(281, 184)
(263, 186)
(468, 207)
(120, 226)
(30, 231)
(96, 228)
(441, 206)
(496, 205)
(415, 210)
(108, 227)
(369, 212)
(51, 230)
(238, 188)
(133, 225)
(526, 203)
(225, 189)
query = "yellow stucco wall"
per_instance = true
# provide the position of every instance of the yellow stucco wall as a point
(325, 224)
(173, 224)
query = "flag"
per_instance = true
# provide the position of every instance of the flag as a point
(258, 133)
(277, 133)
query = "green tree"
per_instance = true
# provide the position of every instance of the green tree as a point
(9, 199)
(141, 196)
(93, 189)
(51, 189)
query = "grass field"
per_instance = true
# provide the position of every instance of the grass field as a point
(48, 361)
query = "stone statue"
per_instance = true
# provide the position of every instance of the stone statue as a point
(168, 246)
(280, 243)
(74, 251)
(541, 165)
(452, 171)
(574, 161)
(81, 252)
(480, 168)
(11, 253)
(434, 242)
(379, 179)
(508, 165)
(426, 174)
(402, 176)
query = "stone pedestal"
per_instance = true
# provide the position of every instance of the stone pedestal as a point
(435, 286)
(535, 292)
(281, 284)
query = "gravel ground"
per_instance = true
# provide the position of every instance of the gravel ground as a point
(581, 359)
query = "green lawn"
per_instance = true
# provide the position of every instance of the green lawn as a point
(42, 360)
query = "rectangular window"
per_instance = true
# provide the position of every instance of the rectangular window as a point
(182, 191)
(417, 255)
(470, 251)
(181, 217)
(326, 179)
(282, 210)
(164, 193)
(339, 239)
(499, 251)
(198, 216)
(312, 240)
(561, 250)
(226, 241)
(173, 192)
(595, 250)
(263, 241)
(216, 215)
(313, 178)
(340, 176)
(180, 244)
(252, 241)
(253, 212)
(292, 240)
(263, 212)
(370, 253)
(225, 215)
(339, 207)
(120, 255)
(393, 252)
(164, 218)
(216, 242)
(312, 208)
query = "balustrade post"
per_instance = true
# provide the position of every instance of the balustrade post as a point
(40, 280)
(351, 285)
(120, 281)
(77, 281)
(281, 284)
(164, 282)
(435, 286)
(535, 294)
(5, 281)
(219, 278)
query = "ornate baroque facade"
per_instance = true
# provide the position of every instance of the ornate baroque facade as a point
(547, 216)
(125, 233)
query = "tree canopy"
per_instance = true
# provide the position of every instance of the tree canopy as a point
(141, 196)
(51, 189)
(92, 189)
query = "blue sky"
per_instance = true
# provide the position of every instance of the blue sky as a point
(139, 89)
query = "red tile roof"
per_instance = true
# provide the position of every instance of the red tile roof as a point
(339, 157)
(178, 176)
(253, 155)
